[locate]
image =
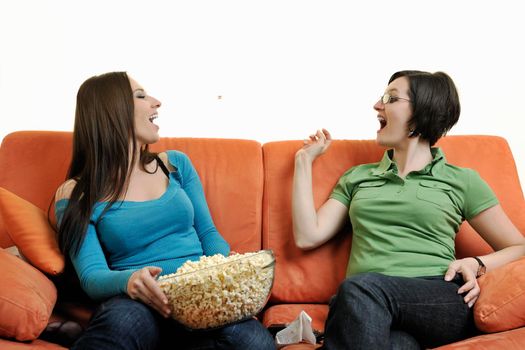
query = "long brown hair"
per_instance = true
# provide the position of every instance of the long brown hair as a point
(104, 149)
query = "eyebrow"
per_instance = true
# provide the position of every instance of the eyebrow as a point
(139, 89)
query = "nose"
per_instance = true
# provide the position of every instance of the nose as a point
(379, 105)
(155, 103)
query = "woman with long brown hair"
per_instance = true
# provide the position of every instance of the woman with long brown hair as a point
(127, 215)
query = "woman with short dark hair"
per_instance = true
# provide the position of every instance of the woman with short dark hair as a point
(404, 288)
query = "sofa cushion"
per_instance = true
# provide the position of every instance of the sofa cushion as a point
(29, 229)
(34, 345)
(502, 299)
(27, 298)
(509, 340)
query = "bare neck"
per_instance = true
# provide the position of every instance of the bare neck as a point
(413, 156)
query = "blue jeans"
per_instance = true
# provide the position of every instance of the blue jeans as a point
(374, 311)
(123, 323)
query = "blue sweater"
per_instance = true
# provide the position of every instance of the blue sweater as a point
(163, 232)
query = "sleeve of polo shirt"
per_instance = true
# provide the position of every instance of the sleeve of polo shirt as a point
(342, 191)
(478, 196)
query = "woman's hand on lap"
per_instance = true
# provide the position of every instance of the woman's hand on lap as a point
(142, 285)
(468, 269)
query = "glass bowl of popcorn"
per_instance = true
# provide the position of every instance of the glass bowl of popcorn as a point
(217, 290)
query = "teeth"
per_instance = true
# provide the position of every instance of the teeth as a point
(153, 117)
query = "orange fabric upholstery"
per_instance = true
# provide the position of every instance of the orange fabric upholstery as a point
(27, 299)
(34, 345)
(501, 304)
(248, 187)
(510, 340)
(34, 164)
(29, 229)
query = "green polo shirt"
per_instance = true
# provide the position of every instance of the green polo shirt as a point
(407, 226)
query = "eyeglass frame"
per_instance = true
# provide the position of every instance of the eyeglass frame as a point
(387, 98)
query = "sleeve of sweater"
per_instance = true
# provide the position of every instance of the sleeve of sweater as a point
(96, 278)
(212, 242)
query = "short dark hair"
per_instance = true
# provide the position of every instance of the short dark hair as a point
(435, 103)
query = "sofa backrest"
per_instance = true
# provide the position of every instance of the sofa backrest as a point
(34, 163)
(313, 276)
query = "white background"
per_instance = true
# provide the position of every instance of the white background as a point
(264, 70)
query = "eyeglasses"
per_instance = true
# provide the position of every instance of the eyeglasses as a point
(387, 98)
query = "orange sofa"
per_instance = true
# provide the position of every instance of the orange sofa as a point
(248, 187)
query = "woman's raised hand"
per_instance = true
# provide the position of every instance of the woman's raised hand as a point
(142, 285)
(316, 144)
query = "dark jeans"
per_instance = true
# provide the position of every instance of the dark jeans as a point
(122, 323)
(374, 311)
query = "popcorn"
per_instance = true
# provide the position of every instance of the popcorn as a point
(218, 290)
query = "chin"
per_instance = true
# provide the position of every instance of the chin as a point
(153, 140)
(381, 142)
(386, 143)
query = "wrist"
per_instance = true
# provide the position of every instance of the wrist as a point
(302, 156)
(482, 269)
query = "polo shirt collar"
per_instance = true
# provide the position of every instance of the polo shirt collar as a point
(387, 164)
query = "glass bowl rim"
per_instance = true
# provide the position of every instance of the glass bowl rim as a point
(174, 276)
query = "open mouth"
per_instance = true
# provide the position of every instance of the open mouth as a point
(153, 117)
(382, 122)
